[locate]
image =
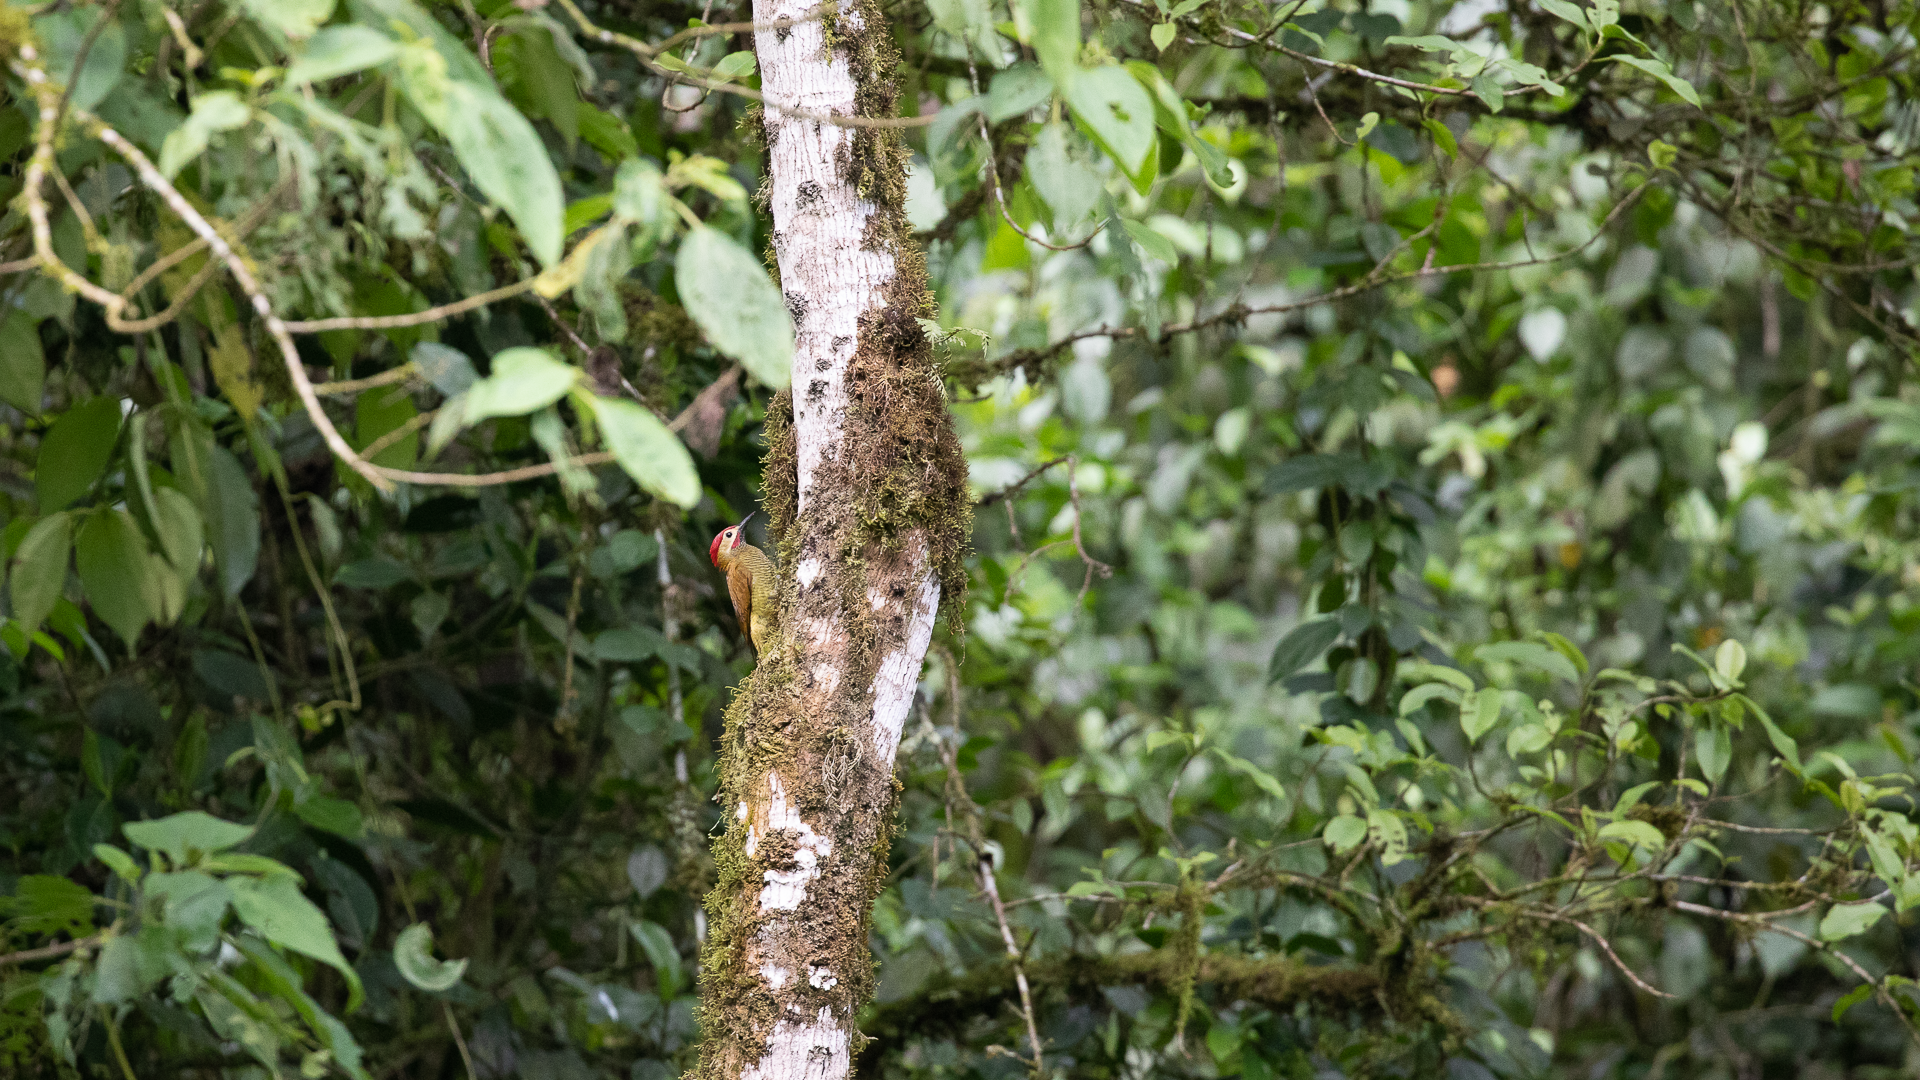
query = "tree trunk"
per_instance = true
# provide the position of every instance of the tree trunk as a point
(865, 491)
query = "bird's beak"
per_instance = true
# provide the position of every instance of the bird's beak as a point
(743, 521)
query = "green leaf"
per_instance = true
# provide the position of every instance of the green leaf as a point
(413, 955)
(106, 60)
(726, 290)
(1662, 153)
(340, 50)
(547, 79)
(1017, 91)
(1301, 646)
(661, 953)
(1783, 743)
(75, 452)
(1070, 186)
(523, 380)
(46, 904)
(232, 511)
(213, 112)
(119, 862)
(275, 907)
(184, 836)
(1389, 834)
(447, 368)
(1443, 137)
(1843, 921)
(1730, 659)
(113, 561)
(1425, 692)
(647, 451)
(1570, 12)
(380, 411)
(607, 133)
(1529, 654)
(1479, 713)
(508, 163)
(1567, 649)
(1634, 832)
(1117, 109)
(294, 18)
(39, 570)
(1851, 998)
(1415, 670)
(1345, 832)
(1526, 738)
(129, 965)
(1713, 746)
(1659, 70)
(337, 816)
(23, 366)
(177, 524)
(1162, 35)
(1052, 27)
(1254, 772)
(1155, 245)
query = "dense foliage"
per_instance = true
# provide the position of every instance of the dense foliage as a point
(1444, 586)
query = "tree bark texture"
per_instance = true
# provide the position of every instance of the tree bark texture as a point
(865, 491)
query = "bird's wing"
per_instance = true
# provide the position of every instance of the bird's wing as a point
(740, 588)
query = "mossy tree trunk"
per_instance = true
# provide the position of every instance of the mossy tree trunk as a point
(867, 501)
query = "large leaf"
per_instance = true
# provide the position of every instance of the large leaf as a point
(651, 454)
(1069, 184)
(1052, 27)
(213, 112)
(275, 907)
(75, 452)
(106, 60)
(1118, 110)
(180, 837)
(508, 163)
(1843, 921)
(727, 291)
(340, 50)
(1301, 646)
(1529, 654)
(114, 563)
(294, 18)
(523, 380)
(39, 570)
(233, 519)
(23, 366)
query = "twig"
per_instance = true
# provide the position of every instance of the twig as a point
(1014, 489)
(1025, 357)
(418, 318)
(48, 952)
(353, 386)
(646, 53)
(459, 1042)
(983, 860)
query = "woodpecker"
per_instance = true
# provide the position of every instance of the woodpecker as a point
(749, 581)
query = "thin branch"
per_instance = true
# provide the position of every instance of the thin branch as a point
(418, 318)
(48, 952)
(1022, 358)
(646, 53)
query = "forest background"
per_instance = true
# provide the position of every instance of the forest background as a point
(1440, 595)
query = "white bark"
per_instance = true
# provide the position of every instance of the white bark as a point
(819, 222)
(832, 277)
